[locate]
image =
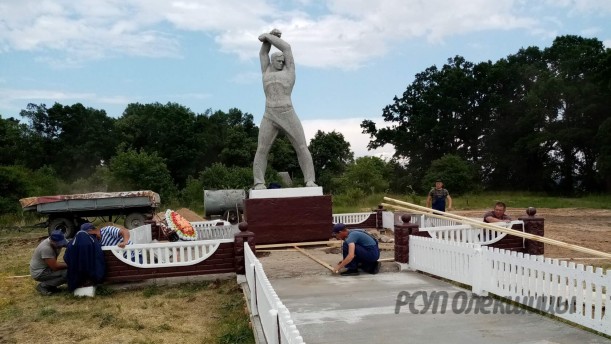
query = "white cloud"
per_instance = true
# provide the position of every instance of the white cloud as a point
(346, 34)
(15, 99)
(350, 128)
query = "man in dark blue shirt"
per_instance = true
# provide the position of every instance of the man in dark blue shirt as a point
(359, 250)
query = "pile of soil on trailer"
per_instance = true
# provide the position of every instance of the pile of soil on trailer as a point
(589, 228)
(188, 214)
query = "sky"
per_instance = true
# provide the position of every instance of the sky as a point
(352, 56)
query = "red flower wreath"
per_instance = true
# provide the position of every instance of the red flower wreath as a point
(182, 227)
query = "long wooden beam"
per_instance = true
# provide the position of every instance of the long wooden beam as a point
(412, 207)
(311, 243)
(315, 259)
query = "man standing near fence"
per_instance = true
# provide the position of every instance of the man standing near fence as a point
(437, 197)
(359, 250)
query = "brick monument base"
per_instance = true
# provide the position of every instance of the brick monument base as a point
(279, 216)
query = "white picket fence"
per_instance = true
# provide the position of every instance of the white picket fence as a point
(147, 253)
(424, 221)
(456, 230)
(351, 218)
(207, 230)
(520, 277)
(278, 326)
(387, 220)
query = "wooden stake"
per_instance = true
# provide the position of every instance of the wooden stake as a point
(315, 259)
(494, 227)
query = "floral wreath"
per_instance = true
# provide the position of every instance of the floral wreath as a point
(179, 224)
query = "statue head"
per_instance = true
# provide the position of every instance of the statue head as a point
(277, 60)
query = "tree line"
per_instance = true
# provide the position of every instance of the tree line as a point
(166, 148)
(538, 120)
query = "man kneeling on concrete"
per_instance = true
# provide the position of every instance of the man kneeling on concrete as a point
(44, 266)
(360, 250)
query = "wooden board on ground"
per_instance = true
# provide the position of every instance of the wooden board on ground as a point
(314, 258)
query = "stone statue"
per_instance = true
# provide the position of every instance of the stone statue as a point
(278, 81)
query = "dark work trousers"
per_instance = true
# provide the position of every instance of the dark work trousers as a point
(365, 257)
(439, 204)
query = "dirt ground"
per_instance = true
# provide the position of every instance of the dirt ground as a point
(589, 228)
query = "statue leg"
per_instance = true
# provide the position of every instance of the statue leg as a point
(294, 132)
(267, 135)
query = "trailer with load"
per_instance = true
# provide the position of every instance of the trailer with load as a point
(68, 212)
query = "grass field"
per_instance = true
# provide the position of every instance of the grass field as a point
(484, 201)
(206, 312)
(210, 312)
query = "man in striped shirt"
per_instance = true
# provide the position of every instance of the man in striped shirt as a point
(108, 235)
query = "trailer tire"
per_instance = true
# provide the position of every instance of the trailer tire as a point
(63, 224)
(134, 220)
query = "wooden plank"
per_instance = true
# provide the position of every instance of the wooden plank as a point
(278, 250)
(315, 259)
(307, 243)
(420, 209)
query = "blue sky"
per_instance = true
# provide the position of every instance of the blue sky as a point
(352, 56)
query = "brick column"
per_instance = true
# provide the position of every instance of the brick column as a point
(533, 225)
(238, 247)
(402, 233)
(379, 219)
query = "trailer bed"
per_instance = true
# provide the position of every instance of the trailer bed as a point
(91, 201)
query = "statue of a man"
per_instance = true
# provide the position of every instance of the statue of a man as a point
(278, 81)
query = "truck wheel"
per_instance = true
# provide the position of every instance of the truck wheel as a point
(63, 224)
(134, 220)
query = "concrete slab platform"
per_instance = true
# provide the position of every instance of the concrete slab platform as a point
(361, 309)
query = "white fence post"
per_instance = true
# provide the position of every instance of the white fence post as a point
(478, 287)
(274, 334)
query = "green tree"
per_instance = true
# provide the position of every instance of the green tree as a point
(132, 170)
(166, 131)
(73, 139)
(219, 176)
(583, 97)
(331, 155)
(12, 141)
(603, 139)
(282, 157)
(368, 174)
(516, 138)
(229, 138)
(457, 175)
(18, 182)
(442, 111)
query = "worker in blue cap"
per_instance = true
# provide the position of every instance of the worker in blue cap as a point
(360, 250)
(44, 265)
